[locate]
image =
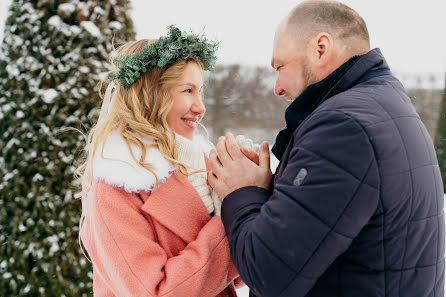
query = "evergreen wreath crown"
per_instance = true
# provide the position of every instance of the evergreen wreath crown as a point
(176, 46)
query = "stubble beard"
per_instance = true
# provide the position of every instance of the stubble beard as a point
(308, 76)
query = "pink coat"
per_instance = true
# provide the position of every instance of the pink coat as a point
(156, 244)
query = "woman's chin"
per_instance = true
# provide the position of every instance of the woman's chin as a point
(188, 135)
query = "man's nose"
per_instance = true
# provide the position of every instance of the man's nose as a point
(278, 90)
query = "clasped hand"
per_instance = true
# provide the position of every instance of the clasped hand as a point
(233, 168)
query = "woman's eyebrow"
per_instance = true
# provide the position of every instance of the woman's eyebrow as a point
(191, 84)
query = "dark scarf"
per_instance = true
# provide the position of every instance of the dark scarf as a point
(356, 70)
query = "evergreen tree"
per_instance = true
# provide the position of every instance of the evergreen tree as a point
(440, 138)
(52, 57)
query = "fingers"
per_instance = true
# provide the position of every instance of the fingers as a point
(223, 154)
(264, 156)
(251, 155)
(232, 147)
(212, 179)
(214, 161)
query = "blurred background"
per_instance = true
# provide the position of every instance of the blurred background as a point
(54, 53)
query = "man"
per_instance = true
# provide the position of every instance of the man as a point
(356, 204)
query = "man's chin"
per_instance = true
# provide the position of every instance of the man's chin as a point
(290, 97)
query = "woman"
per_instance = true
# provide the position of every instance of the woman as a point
(151, 223)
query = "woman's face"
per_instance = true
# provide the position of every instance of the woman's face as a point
(187, 105)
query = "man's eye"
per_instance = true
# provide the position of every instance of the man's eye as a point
(188, 90)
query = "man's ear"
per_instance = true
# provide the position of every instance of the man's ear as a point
(324, 49)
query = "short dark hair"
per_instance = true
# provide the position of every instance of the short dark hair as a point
(342, 22)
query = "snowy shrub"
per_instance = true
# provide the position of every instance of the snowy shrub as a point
(52, 57)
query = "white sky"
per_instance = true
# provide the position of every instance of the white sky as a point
(410, 33)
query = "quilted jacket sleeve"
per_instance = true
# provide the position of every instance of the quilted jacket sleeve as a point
(282, 242)
(128, 261)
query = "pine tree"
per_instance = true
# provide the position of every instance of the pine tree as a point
(52, 57)
(440, 138)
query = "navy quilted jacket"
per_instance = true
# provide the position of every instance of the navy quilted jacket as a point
(356, 206)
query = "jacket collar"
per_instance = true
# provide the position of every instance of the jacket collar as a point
(356, 70)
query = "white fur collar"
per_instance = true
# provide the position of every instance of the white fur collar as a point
(118, 168)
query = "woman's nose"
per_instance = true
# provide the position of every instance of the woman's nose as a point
(198, 107)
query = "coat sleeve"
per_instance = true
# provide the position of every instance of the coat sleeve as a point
(283, 241)
(128, 261)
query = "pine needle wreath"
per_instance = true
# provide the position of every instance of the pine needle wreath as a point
(167, 50)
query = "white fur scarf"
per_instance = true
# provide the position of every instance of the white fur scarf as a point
(118, 168)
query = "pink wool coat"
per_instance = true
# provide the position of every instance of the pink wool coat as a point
(156, 244)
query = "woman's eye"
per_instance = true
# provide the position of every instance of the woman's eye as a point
(188, 90)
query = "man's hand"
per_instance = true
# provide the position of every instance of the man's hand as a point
(232, 170)
(252, 155)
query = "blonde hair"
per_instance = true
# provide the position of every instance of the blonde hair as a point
(137, 113)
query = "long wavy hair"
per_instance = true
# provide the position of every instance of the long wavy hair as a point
(137, 113)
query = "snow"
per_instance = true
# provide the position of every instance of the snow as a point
(30, 222)
(12, 69)
(15, 40)
(68, 195)
(49, 95)
(55, 21)
(7, 275)
(8, 176)
(68, 8)
(27, 289)
(11, 143)
(75, 29)
(22, 227)
(99, 10)
(62, 68)
(84, 69)
(115, 25)
(19, 114)
(91, 28)
(37, 177)
(6, 107)
(53, 239)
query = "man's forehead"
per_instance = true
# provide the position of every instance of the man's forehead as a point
(283, 43)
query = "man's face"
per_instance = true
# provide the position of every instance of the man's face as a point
(293, 66)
